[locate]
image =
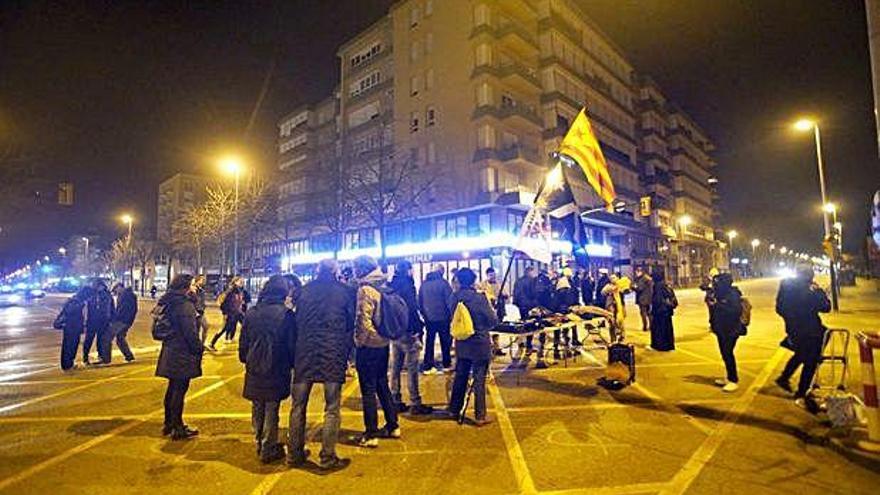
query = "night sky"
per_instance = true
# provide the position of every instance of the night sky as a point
(120, 95)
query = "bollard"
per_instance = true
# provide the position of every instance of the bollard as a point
(867, 344)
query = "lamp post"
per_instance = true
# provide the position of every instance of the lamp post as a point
(731, 235)
(806, 125)
(755, 244)
(684, 222)
(232, 165)
(86, 256)
(129, 221)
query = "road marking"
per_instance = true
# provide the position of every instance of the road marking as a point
(27, 473)
(611, 490)
(88, 380)
(16, 376)
(268, 482)
(671, 408)
(70, 390)
(704, 453)
(694, 354)
(514, 451)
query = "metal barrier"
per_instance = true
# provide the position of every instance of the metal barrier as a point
(867, 343)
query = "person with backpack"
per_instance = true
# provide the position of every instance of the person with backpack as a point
(663, 304)
(325, 322)
(800, 301)
(123, 319)
(725, 320)
(180, 359)
(371, 359)
(474, 353)
(233, 305)
(71, 322)
(266, 348)
(406, 349)
(433, 293)
(99, 313)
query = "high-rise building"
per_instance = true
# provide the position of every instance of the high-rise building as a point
(177, 195)
(480, 101)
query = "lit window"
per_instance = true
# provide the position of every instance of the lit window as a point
(430, 117)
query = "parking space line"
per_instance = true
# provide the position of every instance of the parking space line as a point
(704, 453)
(693, 354)
(70, 390)
(63, 456)
(633, 489)
(514, 450)
(671, 408)
(268, 482)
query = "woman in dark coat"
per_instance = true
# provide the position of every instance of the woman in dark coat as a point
(663, 304)
(725, 311)
(474, 353)
(267, 337)
(71, 322)
(180, 359)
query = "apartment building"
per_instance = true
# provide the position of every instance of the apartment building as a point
(177, 195)
(479, 93)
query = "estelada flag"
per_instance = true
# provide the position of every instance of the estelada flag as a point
(534, 237)
(580, 145)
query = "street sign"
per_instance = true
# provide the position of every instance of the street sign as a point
(645, 206)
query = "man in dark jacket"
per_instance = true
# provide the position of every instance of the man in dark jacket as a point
(473, 354)
(601, 298)
(799, 302)
(71, 323)
(588, 289)
(525, 297)
(180, 359)
(266, 349)
(123, 319)
(644, 289)
(405, 350)
(99, 314)
(433, 294)
(325, 329)
(233, 305)
(725, 312)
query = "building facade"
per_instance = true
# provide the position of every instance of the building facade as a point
(177, 195)
(479, 101)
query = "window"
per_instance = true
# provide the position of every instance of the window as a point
(429, 7)
(415, 51)
(485, 136)
(364, 114)
(294, 143)
(484, 94)
(485, 223)
(430, 117)
(414, 122)
(440, 229)
(414, 16)
(365, 83)
(365, 56)
(421, 230)
(429, 79)
(484, 54)
(507, 101)
(293, 123)
(415, 82)
(293, 161)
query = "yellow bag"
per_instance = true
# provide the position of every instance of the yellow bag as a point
(462, 327)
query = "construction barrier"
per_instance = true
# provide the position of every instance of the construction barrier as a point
(867, 343)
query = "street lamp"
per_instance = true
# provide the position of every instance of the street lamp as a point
(806, 125)
(129, 221)
(233, 165)
(86, 255)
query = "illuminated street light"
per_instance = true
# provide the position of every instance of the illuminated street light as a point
(129, 220)
(756, 243)
(805, 125)
(62, 251)
(772, 247)
(685, 220)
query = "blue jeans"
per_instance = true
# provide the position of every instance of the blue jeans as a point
(463, 369)
(332, 419)
(372, 369)
(405, 353)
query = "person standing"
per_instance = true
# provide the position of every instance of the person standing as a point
(474, 353)
(725, 312)
(433, 294)
(71, 322)
(588, 289)
(180, 359)
(643, 286)
(613, 297)
(371, 358)
(405, 351)
(799, 302)
(604, 280)
(325, 327)
(200, 302)
(123, 319)
(266, 348)
(233, 304)
(663, 304)
(525, 297)
(99, 313)
(491, 287)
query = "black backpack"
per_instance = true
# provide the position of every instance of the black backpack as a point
(393, 315)
(163, 327)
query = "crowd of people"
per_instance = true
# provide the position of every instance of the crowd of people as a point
(296, 336)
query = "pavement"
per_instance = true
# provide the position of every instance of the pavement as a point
(97, 430)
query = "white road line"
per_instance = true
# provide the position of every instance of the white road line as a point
(514, 451)
(671, 408)
(612, 490)
(704, 453)
(268, 482)
(37, 468)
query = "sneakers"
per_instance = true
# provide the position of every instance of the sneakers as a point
(272, 454)
(391, 433)
(421, 410)
(730, 387)
(367, 442)
(184, 433)
(720, 382)
(402, 407)
(333, 464)
(297, 459)
(784, 385)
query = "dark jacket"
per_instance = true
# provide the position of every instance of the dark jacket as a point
(268, 337)
(799, 305)
(644, 289)
(433, 295)
(235, 302)
(199, 300)
(588, 290)
(126, 307)
(663, 299)
(725, 311)
(181, 354)
(525, 296)
(325, 331)
(600, 284)
(405, 286)
(479, 346)
(100, 308)
(72, 317)
(544, 290)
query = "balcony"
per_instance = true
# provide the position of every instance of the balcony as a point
(518, 153)
(554, 96)
(513, 35)
(517, 76)
(510, 112)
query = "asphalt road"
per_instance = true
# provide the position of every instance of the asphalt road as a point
(97, 431)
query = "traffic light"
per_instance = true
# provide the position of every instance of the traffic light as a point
(65, 194)
(645, 206)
